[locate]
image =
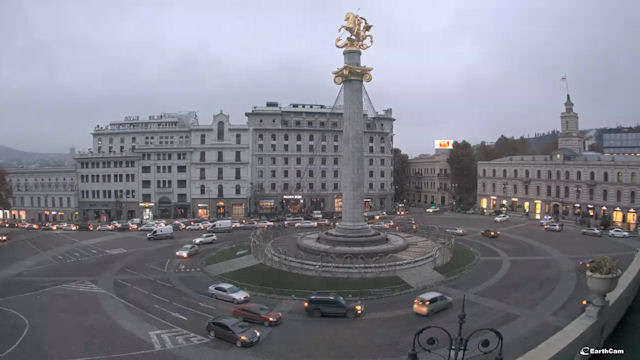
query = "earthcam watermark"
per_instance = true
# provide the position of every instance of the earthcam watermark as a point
(591, 351)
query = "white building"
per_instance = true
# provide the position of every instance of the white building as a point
(429, 180)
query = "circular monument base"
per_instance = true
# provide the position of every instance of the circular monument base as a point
(330, 243)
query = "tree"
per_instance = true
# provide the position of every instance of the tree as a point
(486, 152)
(595, 147)
(5, 190)
(464, 171)
(549, 147)
(400, 174)
(510, 146)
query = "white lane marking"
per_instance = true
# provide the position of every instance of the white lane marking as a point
(123, 282)
(82, 285)
(141, 289)
(115, 251)
(164, 283)
(23, 333)
(139, 274)
(207, 306)
(93, 251)
(29, 293)
(170, 312)
(193, 310)
(154, 267)
(166, 265)
(160, 297)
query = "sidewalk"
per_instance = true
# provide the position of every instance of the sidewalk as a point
(231, 265)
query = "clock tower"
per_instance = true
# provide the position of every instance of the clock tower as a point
(570, 137)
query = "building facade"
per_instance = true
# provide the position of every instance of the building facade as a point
(626, 141)
(568, 183)
(296, 156)
(42, 195)
(429, 180)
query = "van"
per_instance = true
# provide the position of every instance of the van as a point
(316, 215)
(220, 226)
(161, 232)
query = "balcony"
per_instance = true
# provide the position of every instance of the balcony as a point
(443, 175)
(591, 182)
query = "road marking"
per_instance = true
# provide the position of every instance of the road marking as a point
(82, 285)
(139, 274)
(162, 339)
(123, 282)
(193, 310)
(164, 283)
(170, 312)
(207, 306)
(166, 265)
(93, 251)
(160, 297)
(115, 251)
(140, 289)
(23, 333)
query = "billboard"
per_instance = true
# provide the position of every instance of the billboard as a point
(443, 144)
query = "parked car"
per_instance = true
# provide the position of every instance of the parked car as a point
(257, 313)
(84, 227)
(379, 226)
(619, 233)
(4, 237)
(306, 224)
(221, 226)
(323, 222)
(104, 227)
(47, 227)
(490, 233)
(456, 231)
(265, 224)
(585, 264)
(591, 232)
(556, 227)
(187, 251)
(432, 210)
(147, 227)
(291, 221)
(328, 304)
(70, 227)
(232, 330)
(249, 225)
(207, 238)
(228, 292)
(431, 302)
(193, 227)
(501, 218)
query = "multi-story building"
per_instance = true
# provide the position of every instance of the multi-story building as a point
(296, 156)
(621, 141)
(429, 179)
(569, 182)
(42, 195)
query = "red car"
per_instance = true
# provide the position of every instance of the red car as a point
(256, 313)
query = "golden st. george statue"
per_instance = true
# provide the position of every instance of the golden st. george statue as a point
(357, 27)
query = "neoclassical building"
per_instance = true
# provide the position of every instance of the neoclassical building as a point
(569, 182)
(429, 179)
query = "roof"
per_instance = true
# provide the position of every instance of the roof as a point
(429, 295)
(224, 285)
(227, 320)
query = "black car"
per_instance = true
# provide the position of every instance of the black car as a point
(490, 233)
(122, 227)
(328, 304)
(84, 227)
(585, 264)
(232, 330)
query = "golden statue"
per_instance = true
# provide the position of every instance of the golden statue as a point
(357, 27)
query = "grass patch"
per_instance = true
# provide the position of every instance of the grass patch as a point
(461, 259)
(266, 279)
(227, 254)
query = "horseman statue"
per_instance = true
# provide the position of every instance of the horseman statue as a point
(357, 27)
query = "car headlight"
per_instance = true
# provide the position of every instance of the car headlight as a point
(177, 253)
(257, 332)
(272, 319)
(358, 307)
(243, 338)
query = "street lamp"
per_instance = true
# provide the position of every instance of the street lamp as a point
(458, 344)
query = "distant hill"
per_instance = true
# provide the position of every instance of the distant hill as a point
(13, 158)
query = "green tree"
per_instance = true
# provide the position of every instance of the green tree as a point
(486, 152)
(464, 178)
(400, 174)
(5, 190)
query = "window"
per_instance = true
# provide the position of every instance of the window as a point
(220, 132)
(590, 194)
(526, 189)
(526, 174)
(504, 173)
(515, 173)
(220, 156)
(220, 190)
(286, 161)
(632, 197)
(605, 177)
(237, 156)
(273, 173)
(310, 173)
(567, 176)
(335, 173)
(493, 172)
(182, 184)
(538, 174)
(618, 196)
(273, 186)
(634, 178)
(604, 195)
(484, 172)
(592, 176)
(285, 186)
(619, 177)
(557, 191)
(537, 190)
(273, 137)
(566, 191)
(549, 176)
(182, 168)
(146, 197)
(202, 171)
(237, 189)
(381, 148)
(202, 189)
(298, 161)
(370, 174)
(146, 184)
(335, 186)
(335, 161)
(578, 176)
(220, 173)
(549, 190)
(493, 187)
(203, 139)
(238, 139)
(557, 174)
(260, 137)
(146, 169)
(285, 173)
(298, 137)
(298, 173)
(285, 147)
(202, 156)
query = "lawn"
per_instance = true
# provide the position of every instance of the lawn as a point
(228, 254)
(461, 259)
(266, 279)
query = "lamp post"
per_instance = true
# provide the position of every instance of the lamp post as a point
(458, 344)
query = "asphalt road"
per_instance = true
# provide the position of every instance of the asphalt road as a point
(102, 295)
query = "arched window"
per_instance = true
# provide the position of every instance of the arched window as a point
(202, 139)
(238, 139)
(484, 187)
(484, 172)
(592, 176)
(220, 131)
(549, 190)
(260, 137)
(310, 137)
(298, 137)
(632, 197)
(286, 137)
(504, 173)
(238, 189)
(557, 191)
(578, 176)
(605, 176)
(493, 172)
(566, 191)
(538, 174)
(618, 196)
(604, 195)
(567, 176)
(220, 191)
(526, 173)
(515, 173)
(557, 174)
(549, 176)
(202, 189)
(634, 178)
(619, 176)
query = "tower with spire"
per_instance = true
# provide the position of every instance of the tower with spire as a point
(570, 137)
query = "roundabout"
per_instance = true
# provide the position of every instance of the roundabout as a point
(130, 298)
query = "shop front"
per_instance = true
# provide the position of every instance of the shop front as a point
(537, 207)
(617, 216)
(147, 210)
(514, 205)
(591, 211)
(368, 205)
(202, 211)
(267, 206)
(317, 204)
(604, 212)
(164, 208)
(525, 207)
(293, 204)
(237, 210)
(220, 209)
(483, 203)
(632, 219)
(493, 203)
(337, 203)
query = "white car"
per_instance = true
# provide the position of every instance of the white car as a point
(306, 224)
(207, 238)
(147, 227)
(265, 224)
(546, 220)
(228, 292)
(187, 251)
(501, 218)
(433, 210)
(617, 232)
(456, 231)
(194, 227)
(592, 232)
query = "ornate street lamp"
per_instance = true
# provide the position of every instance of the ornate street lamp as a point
(458, 344)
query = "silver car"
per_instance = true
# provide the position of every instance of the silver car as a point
(591, 232)
(431, 302)
(207, 238)
(228, 292)
(187, 251)
(617, 232)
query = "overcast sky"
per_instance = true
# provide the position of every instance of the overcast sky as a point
(459, 70)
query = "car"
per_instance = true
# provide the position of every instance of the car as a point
(432, 210)
(389, 223)
(470, 211)
(70, 227)
(161, 232)
(291, 221)
(591, 232)
(501, 218)
(207, 238)
(556, 227)
(205, 224)
(379, 226)
(456, 231)
(84, 227)
(232, 330)
(193, 227)
(585, 264)
(123, 227)
(619, 233)
(323, 222)
(306, 224)
(329, 304)
(4, 237)
(257, 313)
(249, 225)
(32, 226)
(47, 227)
(187, 251)
(431, 302)
(104, 227)
(545, 222)
(265, 224)
(147, 227)
(490, 233)
(228, 292)
(177, 226)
